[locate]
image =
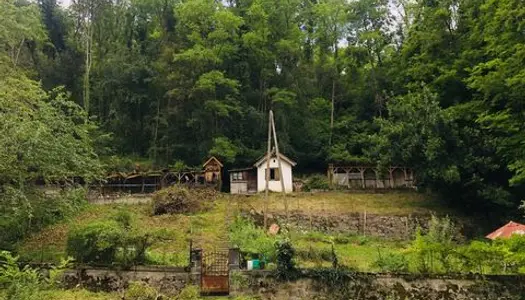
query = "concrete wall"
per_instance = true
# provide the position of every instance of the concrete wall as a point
(275, 186)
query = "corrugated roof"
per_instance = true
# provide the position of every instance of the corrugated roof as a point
(507, 231)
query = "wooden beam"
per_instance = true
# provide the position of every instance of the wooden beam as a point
(281, 177)
(267, 171)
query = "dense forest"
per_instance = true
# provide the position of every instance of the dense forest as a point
(435, 85)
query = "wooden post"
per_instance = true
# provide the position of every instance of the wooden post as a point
(331, 175)
(364, 224)
(406, 228)
(362, 171)
(391, 170)
(266, 199)
(281, 178)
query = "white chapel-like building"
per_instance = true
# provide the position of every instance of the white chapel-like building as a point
(252, 180)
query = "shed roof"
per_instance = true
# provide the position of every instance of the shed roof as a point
(213, 158)
(241, 169)
(272, 154)
(507, 231)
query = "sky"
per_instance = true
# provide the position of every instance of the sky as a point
(64, 2)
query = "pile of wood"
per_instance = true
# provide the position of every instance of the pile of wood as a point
(179, 199)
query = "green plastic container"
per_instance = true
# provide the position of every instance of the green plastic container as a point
(254, 264)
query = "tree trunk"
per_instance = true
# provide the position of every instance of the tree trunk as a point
(332, 112)
(88, 41)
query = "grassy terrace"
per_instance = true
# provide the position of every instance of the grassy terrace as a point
(329, 203)
(211, 229)
(208, 229)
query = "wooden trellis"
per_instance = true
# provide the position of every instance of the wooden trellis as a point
(361, 176)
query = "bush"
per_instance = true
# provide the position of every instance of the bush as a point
(392, 263)
(106, 242)
(434, 251)
(252, 240)
(95, 242)
(316, 182)
(24, 283)
(285, 260)
(190, 292)
(29, 210)
(16, 283)
(179, 199)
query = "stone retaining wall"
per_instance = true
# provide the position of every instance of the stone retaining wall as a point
(386, 226)
(313, 284)
(169, 281)
(380, 287)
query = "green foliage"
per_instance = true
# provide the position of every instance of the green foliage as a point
(435, 250)
(316, 182)
(29, 210)
(95, 242)
(286, 269)
(109, 242)
(392, 263)
(252, 239)
(438, 89)
(25, 283)
(18, 283)
(138, 290)
(224, 148)
(190, 292)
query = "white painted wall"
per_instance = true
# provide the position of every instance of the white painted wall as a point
(238, 187)
(275, 186)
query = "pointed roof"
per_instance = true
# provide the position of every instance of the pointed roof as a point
(272, 154)
(507, 231)
(213, 158)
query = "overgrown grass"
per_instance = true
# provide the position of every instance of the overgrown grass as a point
(208, 230)
(211, 229)
(77, 294)
(333, 203)
(314, 249)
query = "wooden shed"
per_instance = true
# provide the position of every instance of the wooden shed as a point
(243, 181)
(212, 170)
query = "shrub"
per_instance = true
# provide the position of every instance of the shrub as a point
(123, 217)
(190, 292)
(16, 283)
(29, 210)
(107, 242)
(181, 200)
(95, 242)
(435, 250)
(285, 260)
(316, 182)
(251, 239)
(393, 262)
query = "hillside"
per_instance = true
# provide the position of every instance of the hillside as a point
(211, 229)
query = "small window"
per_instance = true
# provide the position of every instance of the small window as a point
(274, 174)
(237, 176)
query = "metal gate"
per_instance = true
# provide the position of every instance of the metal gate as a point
(215, 275)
